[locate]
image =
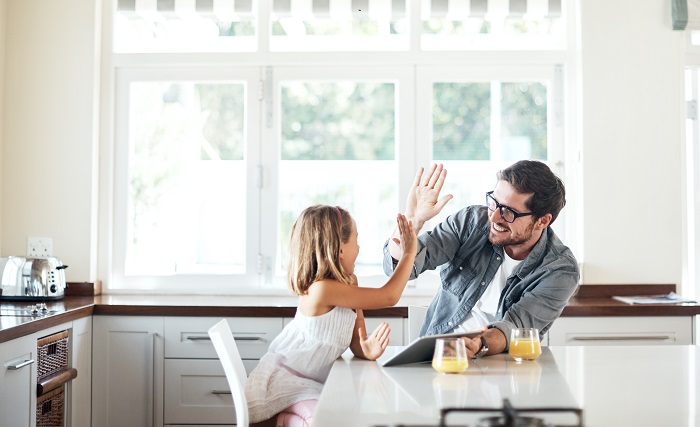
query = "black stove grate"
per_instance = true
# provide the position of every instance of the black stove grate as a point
(507, 416)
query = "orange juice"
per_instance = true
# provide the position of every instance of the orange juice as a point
(524, 349)
(449, 365)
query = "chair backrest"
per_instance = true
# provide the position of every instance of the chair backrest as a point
(226, 349)
(416, 316)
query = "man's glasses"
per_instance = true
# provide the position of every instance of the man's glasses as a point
(508, 214)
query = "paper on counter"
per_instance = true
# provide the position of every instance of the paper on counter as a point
(671, 298)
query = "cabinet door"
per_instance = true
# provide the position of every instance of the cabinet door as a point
(187, 337)
(79, 390)
(397, 325)
(197, 392)
(127, 371)
(396, 336)
(18, 358)
(611, 330)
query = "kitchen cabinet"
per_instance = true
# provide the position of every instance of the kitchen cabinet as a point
(127, 375)
(397, 325)
(196, 390)
(18, 380)
(80, 388)
(622, 330)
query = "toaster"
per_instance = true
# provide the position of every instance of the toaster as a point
(32, 278)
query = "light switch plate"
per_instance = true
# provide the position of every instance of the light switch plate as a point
(39, 247)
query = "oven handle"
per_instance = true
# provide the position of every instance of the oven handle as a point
(20, 365)
(203, 338)
(624, 338)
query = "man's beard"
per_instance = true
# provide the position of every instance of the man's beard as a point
(510, 240)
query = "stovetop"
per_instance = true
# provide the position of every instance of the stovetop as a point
(508, 416)
(33, 310)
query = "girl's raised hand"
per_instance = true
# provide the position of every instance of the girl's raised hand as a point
(374, 345)
(407, 235)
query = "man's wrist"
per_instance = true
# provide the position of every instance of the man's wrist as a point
(483, 350)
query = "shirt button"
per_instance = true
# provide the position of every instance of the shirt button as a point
(449, 323)
(498, 258)
(483, 283)
(461, 268)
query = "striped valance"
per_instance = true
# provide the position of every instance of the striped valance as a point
(349, 9)
(463, 9)
(340, 9)
(233, 8)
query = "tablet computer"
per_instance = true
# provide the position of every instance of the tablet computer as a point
(422, 348)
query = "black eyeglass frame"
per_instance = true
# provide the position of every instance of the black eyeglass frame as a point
(500, 208)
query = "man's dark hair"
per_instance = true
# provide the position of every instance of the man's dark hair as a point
(534, 177)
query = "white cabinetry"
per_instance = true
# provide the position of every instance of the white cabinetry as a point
(397, 336)
(18, 378)
(127, 388)
(18, 382)
(196, 390)
(78, 413)
(622, 330)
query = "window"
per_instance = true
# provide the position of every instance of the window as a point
(245, 112)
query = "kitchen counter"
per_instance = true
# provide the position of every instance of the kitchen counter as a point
(614, 386)
(590, 300)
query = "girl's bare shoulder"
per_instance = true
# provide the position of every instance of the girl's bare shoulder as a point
(315, 301)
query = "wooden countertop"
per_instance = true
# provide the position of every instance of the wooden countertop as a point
(590, 300)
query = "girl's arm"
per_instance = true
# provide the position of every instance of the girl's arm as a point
(330, 293)
(368, 347)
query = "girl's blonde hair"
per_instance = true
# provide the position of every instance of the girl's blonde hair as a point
(314, 250)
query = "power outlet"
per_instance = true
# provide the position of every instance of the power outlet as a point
(39, 247)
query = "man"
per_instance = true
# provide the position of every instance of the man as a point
(503, 267)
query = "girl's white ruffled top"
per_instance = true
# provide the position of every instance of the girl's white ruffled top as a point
(298, 362)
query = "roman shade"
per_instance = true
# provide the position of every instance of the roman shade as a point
(352, 9)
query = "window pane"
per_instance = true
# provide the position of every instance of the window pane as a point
(534, 24)
(186, 152)
(480, 128)
(339, 26)
(338, 121)
(461, 126)
(337, 148)
(184, 30)
(524, 123)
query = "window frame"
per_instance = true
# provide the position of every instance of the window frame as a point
(264, 71)
(183, 283)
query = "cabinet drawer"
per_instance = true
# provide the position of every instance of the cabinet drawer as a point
(193, 392)
(186, 337)
(396, 325)
(654, 330)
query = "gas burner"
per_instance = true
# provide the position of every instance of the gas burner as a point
(510, 417)
(34, 310)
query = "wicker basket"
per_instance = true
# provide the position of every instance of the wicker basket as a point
(49, 408)
(52, 354)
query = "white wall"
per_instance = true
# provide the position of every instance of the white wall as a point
(631, 125)
(49, 134)
(2, 104)
(631, 65)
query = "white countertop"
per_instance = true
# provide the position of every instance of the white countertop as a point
(615, 386)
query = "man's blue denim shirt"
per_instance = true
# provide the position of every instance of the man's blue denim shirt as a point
(534, 295)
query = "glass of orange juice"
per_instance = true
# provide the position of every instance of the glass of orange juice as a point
(450, 356)
(524, 344)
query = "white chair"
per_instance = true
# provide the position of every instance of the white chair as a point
(225, 346)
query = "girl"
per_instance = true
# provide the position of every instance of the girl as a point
(284, 388)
